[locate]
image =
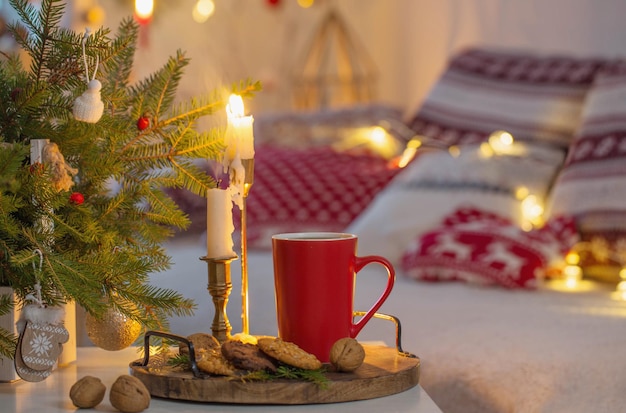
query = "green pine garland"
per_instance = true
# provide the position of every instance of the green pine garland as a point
(101, 252)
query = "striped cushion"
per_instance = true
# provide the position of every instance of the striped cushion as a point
(592, 183)
(534, 97)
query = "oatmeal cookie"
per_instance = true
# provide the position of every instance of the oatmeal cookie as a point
(246, 356)
(201, 342)
(289, 353)
(213, 362)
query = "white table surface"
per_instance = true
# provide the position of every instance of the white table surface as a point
(52, 394)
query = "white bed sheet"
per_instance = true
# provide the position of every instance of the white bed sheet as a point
(482, 349)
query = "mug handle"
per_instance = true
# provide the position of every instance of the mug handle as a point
(359, 263)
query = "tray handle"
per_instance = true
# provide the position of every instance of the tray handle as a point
(170, 336)
(398, 325)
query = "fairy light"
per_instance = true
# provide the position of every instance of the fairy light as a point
(572, 274)
(382, 142)
(572, 258)
(532, 210)
(203, 10)
(305, 4)
(620, 291)
(95, 15)
(454, 151)
(409, 152)
(521, 193)
(378, 136)
(501, 141)
(571, 279)
(485, 150)
(374, 138)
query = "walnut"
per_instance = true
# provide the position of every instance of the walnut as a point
(129, 395)
(87, 392)
(347, 354)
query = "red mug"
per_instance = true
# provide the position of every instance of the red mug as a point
(314, 280)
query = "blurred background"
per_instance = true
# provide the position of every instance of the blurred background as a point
(397, 47)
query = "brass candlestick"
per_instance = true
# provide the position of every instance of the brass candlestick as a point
(219, 287)
(248, 165)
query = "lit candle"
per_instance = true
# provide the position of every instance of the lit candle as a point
(239, 135)
(144, 10)
(239, 141)
(219, 224)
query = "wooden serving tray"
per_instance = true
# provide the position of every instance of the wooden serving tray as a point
(384, 372)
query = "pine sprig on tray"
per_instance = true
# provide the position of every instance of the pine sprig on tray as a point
(292, 373)
(179, 360)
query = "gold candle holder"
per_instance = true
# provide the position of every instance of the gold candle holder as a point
(219, 287)
(248, 165)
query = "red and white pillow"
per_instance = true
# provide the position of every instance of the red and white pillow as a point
(313, 189)
(534, 97)
(484, 248)
(592, 183)
(436, 184)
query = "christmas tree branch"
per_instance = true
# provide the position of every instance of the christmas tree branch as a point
(41, 23)
(108, 223)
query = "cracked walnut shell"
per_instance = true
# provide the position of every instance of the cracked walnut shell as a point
(347, 354)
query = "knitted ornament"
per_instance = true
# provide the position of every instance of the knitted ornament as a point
(40, 342)
(88, 107)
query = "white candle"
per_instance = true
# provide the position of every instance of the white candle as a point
(36, 150)
(239, 135)
(237, 176)
(219, 224)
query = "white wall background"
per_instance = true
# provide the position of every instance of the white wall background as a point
(409, 40)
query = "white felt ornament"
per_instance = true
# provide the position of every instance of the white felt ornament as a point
(88, 107)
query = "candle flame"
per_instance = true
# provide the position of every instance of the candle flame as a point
(235, 106)
(144, 9)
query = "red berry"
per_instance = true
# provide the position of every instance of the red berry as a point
(143, 122)
(77, 198)
(15, 93)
